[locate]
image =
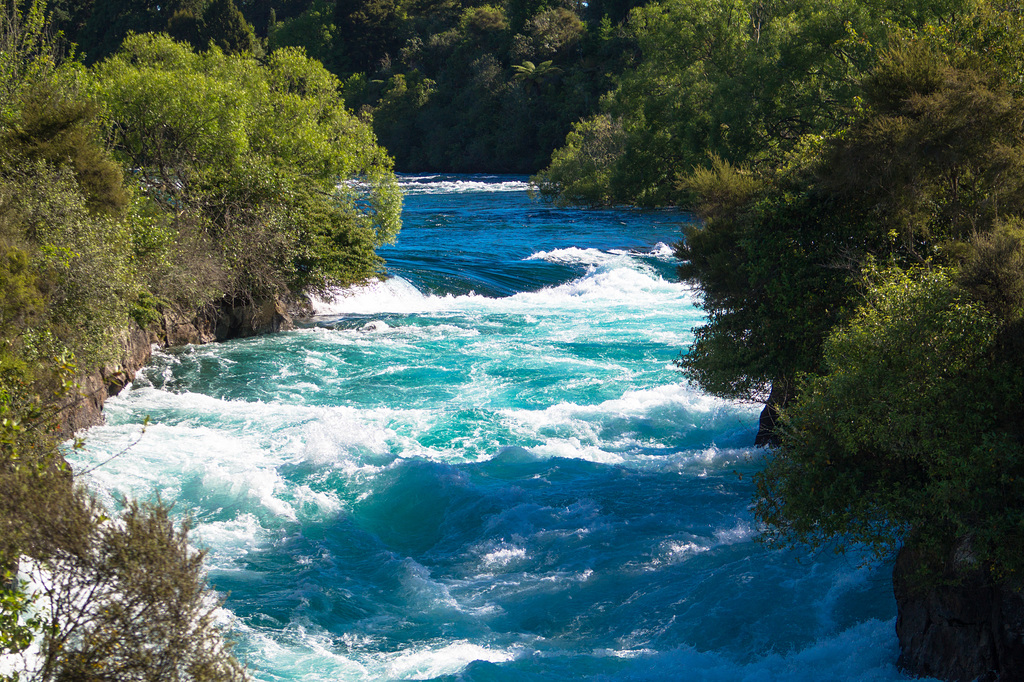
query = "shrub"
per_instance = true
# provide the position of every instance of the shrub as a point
(911, 434)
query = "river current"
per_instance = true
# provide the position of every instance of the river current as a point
(487, 468)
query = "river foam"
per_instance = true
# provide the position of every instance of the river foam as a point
(487, 467)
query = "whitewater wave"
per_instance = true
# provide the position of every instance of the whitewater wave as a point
(611, 280)
(865, 651)
(249, 435)
(596, 257)
(578, 256)
(664, 252)
(393, 295)
(444, 184)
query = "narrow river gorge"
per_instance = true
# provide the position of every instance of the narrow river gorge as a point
(488, 468)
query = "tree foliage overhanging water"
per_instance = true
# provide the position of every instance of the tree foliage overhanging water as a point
(862, 205)
(487, 467)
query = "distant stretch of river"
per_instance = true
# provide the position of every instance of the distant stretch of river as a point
(487, 468)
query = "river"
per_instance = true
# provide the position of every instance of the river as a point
(488, 468)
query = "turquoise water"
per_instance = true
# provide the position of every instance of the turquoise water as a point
(487, 468)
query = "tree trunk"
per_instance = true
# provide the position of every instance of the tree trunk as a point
(779, 397)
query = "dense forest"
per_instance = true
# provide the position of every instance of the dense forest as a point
(451, 85)
(858, 167)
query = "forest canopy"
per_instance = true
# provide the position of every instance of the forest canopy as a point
(452, 85)
(743, 80)
(867, 283)
(161, 181)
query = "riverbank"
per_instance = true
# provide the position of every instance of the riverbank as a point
(488, 467)
(222, 321)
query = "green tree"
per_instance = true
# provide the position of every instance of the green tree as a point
(313, 30)
(112, 20)
(264, 159)
(555, 32)
(130, 603)
(62, 200)
(581, 171)
(70, 16)
(28, 53)
(909, 182)
(536, 73)
(224, 26)
(367, 32)
(911, 434)
(743, 79)
(900, 383)
(188, 27)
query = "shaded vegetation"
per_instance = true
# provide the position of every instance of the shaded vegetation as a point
(157, 181)
(744, 80)
(871, 280)
(441, 78)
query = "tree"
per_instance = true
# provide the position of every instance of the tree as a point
(554, 32)
(225, 27)
(112, 20)
(367, 32)
(911, 434)
(70, 16)
(198, 22)
(744, 80)
(262, 159)
(581, 171)
(28, 53)
(62, 201)
(874, 279)
(910, 181)
(313, 30)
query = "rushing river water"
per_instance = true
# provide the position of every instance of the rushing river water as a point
(487, 468)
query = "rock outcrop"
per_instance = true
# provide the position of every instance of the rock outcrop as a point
(241, 319)
(228, 319)
(95, 387)
(971, 630)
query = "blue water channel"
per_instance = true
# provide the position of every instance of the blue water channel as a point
(487, 467)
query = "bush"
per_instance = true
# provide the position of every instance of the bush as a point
(911, 434)
(254, 156)
(113, 599)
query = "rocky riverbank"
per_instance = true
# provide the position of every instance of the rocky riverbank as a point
(972, 629)
(227, 319)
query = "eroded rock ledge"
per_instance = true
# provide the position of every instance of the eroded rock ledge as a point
(228, 319)
(973, 630)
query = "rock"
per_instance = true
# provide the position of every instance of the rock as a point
(228, 319)
(179, 330)
(86, 409)
(241, 319)
(970, 630)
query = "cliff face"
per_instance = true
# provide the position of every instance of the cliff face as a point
(226, 320)
(973, 630)
(96, 386)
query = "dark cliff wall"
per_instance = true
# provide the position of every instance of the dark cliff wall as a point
(972, 629)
